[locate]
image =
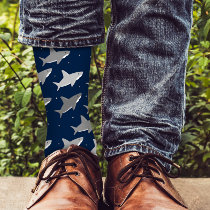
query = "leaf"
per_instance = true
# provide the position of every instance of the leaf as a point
(187, 137)
(2, 87)
(29, 120)
(18, 97)
(102, 48)
(26, 97)
(203, 61)
(206, 125)
(41, 134)
(7, 115)
(205, 81)
(208, 106)
(26, 81)
(37, 90)
(17, 122)
(6, 36)
(21, 111)
(205, 44)
(30, 49)
(206, 29)
(206, 156)
(33, 165)
(9, 73)
(41, 106)
(30, 112)
(107, 20)
(208, 93)
(94, 98)
(2, 127)
(106, 5)
(3, 144)
(191, 63)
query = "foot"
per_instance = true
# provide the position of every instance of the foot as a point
(68, 179)
(139, 181)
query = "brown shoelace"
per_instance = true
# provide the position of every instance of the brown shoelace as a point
(142, 161)
(59, 163)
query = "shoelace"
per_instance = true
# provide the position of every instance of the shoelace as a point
(142, 161)
(59, 161)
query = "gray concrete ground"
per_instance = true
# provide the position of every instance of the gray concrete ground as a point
(15, 192)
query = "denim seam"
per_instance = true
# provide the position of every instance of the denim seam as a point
(141, 145)
(107, 151)
(48, 40)
(108, 57)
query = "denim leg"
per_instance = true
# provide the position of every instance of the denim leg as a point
(143, 97)
(61, 23)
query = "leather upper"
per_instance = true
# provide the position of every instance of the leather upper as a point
(68, 179)
(140, 183)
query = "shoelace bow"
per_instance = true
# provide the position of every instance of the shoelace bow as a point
(59, 161)
(142, 161)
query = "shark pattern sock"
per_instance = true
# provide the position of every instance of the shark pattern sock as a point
(64, 78)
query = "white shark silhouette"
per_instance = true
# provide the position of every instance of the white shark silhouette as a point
(48, 143)
(68, 103)
(55, 56)
(85, 125)
(67, 143)
(47, 101)
(43, 75)
(68, 79)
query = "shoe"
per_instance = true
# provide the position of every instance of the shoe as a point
(69, 179)
(139, 181)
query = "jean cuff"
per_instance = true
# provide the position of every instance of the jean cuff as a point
(109, 152)
(52, 43)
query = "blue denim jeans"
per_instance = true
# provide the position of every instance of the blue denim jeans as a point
(143, 93)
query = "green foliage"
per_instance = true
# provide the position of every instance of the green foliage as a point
(23, 122)
(194, 150)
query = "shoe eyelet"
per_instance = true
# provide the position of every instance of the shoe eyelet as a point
(77, 174)
(163, 182)
(75, 165)
(130, 158)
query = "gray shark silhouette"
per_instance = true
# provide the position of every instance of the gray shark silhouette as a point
(85, 125)
(68, 103)
(94, 148)
(43, 75)
(55, 56)
(67, 143)
(68, 79)
(48, 143)
(47, 101)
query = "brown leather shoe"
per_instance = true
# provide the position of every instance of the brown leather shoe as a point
(68, 180)
(139, 181)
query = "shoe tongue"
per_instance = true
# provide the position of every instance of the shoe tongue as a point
(125, 156)
(126, 159)
(123, 190)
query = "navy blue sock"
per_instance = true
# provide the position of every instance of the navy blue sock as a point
(64, 77)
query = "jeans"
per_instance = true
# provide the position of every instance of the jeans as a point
(143, 93)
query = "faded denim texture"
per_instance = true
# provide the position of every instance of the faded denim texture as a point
(61, 23)
(143, 98)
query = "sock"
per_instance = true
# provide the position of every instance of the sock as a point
(63, 74)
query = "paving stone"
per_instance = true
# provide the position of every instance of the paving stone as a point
(15, 192)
